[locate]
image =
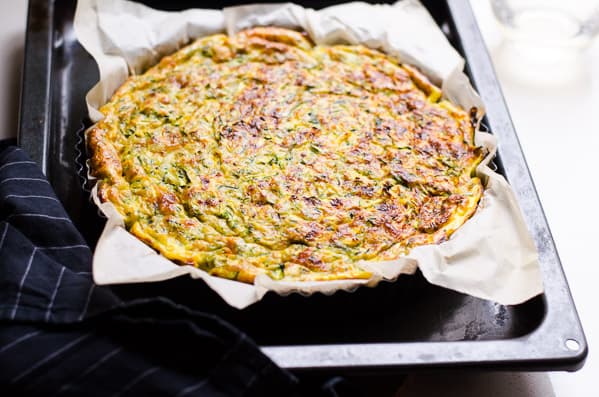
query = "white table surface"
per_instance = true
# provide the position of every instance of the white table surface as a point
(555, 120)
(13, 14)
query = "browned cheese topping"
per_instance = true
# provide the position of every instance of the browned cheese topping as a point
(262, 153)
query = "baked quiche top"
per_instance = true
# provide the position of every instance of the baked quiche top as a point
(262, 153)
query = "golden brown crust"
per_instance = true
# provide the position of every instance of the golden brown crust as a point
(262, 153)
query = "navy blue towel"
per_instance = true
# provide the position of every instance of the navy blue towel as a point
(62, 335)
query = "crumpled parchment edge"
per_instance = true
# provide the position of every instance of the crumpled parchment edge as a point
(491, 256)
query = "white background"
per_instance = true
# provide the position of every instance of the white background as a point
(557, 120)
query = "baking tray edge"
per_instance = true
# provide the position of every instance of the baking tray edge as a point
(542, 349)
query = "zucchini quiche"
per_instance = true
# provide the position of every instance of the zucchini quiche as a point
(262, 153)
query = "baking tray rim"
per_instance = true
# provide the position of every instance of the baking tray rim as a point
(526, 352)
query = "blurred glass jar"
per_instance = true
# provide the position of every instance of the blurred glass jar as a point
(571, 23)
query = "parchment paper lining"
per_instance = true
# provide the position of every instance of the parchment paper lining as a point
(491, 256)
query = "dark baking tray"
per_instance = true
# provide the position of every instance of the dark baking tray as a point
(399, 326)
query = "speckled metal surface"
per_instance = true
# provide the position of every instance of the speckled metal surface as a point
(395, 327)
